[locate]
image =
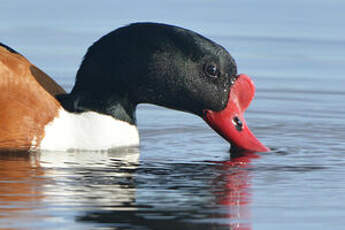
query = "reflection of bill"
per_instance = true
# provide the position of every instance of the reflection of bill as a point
(232, 190)
(50, 188)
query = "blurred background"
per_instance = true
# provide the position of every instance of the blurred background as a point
(294, 51)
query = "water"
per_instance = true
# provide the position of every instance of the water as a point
(181, 177)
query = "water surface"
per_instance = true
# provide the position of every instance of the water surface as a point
(182, 176)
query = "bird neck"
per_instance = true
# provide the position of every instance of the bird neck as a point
(118, 107)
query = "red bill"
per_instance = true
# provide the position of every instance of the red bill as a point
(230, 123)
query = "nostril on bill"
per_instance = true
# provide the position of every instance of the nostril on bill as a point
(237, 123)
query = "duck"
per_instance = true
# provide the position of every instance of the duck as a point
(143, 62)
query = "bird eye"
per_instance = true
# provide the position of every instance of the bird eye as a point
(211, 70)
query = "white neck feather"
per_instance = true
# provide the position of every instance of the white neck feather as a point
(87, 131)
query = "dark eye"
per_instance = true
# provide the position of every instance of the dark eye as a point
(211, 70)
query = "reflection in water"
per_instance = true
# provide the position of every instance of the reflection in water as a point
(21, 185)
(49, 188)
(113, 190)
(234, 191)
(185, 196)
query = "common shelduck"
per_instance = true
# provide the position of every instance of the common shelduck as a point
(151, 63)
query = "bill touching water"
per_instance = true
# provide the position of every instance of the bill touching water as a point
(183, 177)
(230, 123)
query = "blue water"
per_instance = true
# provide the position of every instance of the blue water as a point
(293, 50)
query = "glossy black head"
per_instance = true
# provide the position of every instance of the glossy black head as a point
(153, 63)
